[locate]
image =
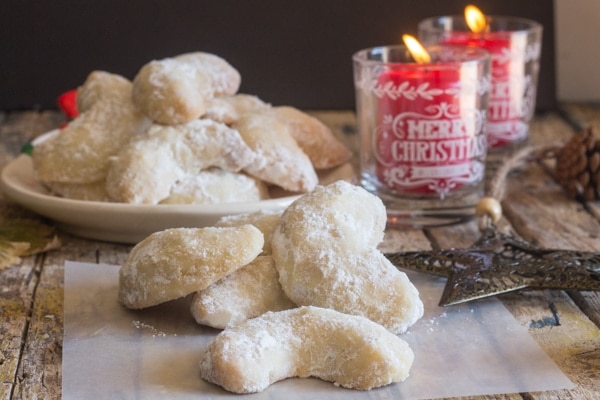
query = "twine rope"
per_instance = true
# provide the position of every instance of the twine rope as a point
(497, 186)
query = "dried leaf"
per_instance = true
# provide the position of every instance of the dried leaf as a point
(24, 237)
(10, 252)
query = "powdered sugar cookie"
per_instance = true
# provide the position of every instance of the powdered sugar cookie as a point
(101, 85)
(350, 351)
(225, 79)
(171, 92)
(265, 220)
(229, 109)
(279, 159)
(80, 152)
(176, 262)
(247, 293)
(324, 249)
(216, 186)
(314, 138)
(147, 169)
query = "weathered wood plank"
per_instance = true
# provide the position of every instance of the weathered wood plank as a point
(16, 300)
(40, 371)
(582, 116)
(19, 282)
(565, 334)
(42, 351)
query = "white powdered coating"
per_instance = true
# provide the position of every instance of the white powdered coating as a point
(350, 351)
(215, 145)
(146, 170)
(225, 79)
(264, 220)
(100, 85)
(80, 152)
(247, 103)
(325, 250)
(143, 173)
(216, 186)
(229, 109)
(176, 262)
(220, 110)
(246, 293)
(314, 137)
(171, 92)
(279, 160)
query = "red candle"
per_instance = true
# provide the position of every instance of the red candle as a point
(508, 105)
(428, 133)
(515, 47)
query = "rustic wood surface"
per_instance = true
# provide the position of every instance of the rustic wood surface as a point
(566, 325)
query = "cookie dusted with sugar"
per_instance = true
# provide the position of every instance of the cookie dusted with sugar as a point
(175, 90)
(171, 92)
(280, 161)
(314, 137)
(146, 170)
(247, 293)
(229, 109)
(350, 351)
(225, 80)
(80, 152)
(100, 85)
(265, 220)
(176, 262)
(217, 186)
(325, 250)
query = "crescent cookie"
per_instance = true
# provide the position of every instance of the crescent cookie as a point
(314, 138)
(279, 160)
(216, 186)
(325, 250)
(100, 85)
(145, 170)
(350, 351)
(247, 293)
(176, 262)
(80, 152)
(225, 80)
(229, 109)
(171, 92)
(265, 220)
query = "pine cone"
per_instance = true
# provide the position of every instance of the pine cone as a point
(578, 166)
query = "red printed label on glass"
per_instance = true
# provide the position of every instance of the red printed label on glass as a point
(429, 136)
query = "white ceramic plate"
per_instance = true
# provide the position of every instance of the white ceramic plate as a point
(126, 223)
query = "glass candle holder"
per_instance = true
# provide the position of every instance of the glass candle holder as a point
(422, 131)
(515, 47)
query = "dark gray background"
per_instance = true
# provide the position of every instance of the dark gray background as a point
(288, 52)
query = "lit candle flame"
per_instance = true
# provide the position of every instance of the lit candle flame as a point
(476, 20)
(416, 49)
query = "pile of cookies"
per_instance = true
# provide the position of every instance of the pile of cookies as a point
(299, 292)
(181, 133)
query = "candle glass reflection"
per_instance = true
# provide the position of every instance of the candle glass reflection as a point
(422, 131)
(515, 47)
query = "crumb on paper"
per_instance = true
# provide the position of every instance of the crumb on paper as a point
(143, 325)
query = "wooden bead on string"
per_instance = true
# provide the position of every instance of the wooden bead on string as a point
(489, 211)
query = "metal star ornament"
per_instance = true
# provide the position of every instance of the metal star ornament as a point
(498, 263)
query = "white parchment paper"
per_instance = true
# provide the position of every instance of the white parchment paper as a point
(113, 353)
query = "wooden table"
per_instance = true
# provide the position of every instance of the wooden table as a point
(566, 325)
